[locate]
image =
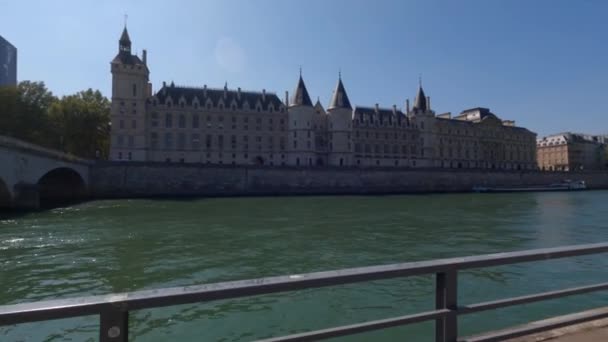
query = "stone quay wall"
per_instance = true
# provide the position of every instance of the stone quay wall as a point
(135, 179)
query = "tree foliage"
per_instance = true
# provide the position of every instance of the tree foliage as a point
(78, 124)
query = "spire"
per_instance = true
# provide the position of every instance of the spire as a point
(300, 95)
(339, 99)
(420, 103)
(124, 44)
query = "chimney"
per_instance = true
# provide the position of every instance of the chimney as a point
(145, 57)
(394, 109)
(238, 93)
(263, 94)
(205, 90)
(164, 84)
(428, 103)
(286, 98)
(377, 108)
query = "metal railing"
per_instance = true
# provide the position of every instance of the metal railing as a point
(114, 309)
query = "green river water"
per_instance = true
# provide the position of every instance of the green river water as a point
(107, 246)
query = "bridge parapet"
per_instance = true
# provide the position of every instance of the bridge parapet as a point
(30, 148)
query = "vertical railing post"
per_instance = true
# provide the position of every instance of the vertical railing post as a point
(114, 325)
(446, 297)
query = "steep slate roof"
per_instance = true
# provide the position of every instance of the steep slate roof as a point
(124, 37)
(215, 95)
(300, 95)
(127, 58)
(382, 114)
(420, 104)
(340, 98)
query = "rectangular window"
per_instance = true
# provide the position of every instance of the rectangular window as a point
(122, 124)
(134, 89)
(168, 120)
(208, 141)
(194, 120)
(154, 140)
(168, 140)
(154, 122)
(181, 141)
(131, 141)
(220, 141)
(196, 141)
(120, 140)
(134, 124)
(182, 121)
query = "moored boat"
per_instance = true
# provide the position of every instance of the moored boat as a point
(566, 185)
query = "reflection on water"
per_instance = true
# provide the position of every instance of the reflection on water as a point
(123, 245)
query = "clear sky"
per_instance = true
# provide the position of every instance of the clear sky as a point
(543, 63)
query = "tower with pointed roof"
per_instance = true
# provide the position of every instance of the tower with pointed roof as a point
(340, 127)
(301, 134)
(423, 118)
(130, 89)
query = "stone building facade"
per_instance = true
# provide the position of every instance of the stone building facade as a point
(238, 127)
(570, 152)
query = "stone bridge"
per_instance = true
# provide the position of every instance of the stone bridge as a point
(32, 176)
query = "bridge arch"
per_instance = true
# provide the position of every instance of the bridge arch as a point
(61, 185)
(5, 195)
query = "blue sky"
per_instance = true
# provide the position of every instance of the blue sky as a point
(543, 63)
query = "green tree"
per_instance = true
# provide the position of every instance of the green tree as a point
(23, 112)
(78, 124)
(82, 124)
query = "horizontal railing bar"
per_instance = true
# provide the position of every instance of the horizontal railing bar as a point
(540, 326)
(37, 311)
(360, 327)
(501, 303)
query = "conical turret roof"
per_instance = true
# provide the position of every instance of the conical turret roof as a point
(124, 37)
(420, 104)
(300, 95)
(339, 98)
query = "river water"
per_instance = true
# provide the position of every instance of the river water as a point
(109, 246)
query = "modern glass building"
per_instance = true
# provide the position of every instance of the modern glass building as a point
(8, 63)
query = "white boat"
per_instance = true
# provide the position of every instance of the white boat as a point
(566, 185)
